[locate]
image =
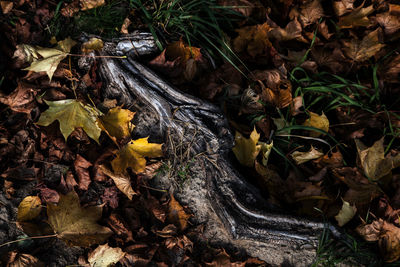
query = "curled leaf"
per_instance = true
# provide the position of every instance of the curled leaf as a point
(29, 208)
(345, 214)
(104, 256)
(246, 149)
(302, 157)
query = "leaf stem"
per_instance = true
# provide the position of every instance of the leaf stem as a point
(26, 238)
(81, 55)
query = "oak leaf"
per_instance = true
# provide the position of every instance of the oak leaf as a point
(51, 57)
(72, 114)
(373, 160)
(133, 155)
(104, 256)
(117, 122)
(75, 225)
(247, 149)
(317, 121)
(346, 213)
(29, 208)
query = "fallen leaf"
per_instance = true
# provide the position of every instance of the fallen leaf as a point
(346, 213)
(121, 180)
(223, 259)
(387, 235)
(133, 155)
(94, 44)
(292, 31)
(81, 166)
(311, 13)
(317, 121)
(181, 51)
(17, 259)
(361, 51)
(76, 225)
(117, 122)
(104, 256)
(71, 114)
(373, 160)
(125, 25)
(89, 4)
(358, 17)
(342, 7)
(266, 151)
(6, 6)
(51, 57)
(389, 23)
(253, 40)
(29, 208)
(302, 157)
(246, 149)
(22, 99)
(176, 214)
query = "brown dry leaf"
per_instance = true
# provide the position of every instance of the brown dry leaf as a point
(6, 6)
(389, 23)
(94, 44)
(247, 149)
(390, 71)
(176, 214)
(23, 260)
(75, 225)
(296, 105)
(292, 31)
(361, 190)
(281, 97)
(117, 122)
(342, 7)
(253, 40)
(302, 157)
(271, 180)
(133, 155)
(29, 208)
(81, 166)
(317, 121)
(346, 213)
(330, 160)
(122, 181)
(387, 235)
(362, 50)
(330, 58)
(311, 13)
(22, 99)
(89, 4)
(69, 10)
(223, 259)
(180, 50)
(125, 25)
(105, 256)
(373, 160)
(358, 17)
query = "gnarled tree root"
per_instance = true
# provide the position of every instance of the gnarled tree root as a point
(232, 210)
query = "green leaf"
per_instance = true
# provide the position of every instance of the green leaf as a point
(72, 114)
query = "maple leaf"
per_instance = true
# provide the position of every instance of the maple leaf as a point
(345, 214)
(76, 225)
(302, 157)
(310, 13)
(51, 57)
(29, 208)
(246, 149)
(117, 122)
(133, 155)
(362, 50)
(358, 17)
(21, 99)
(121, 180)
(72, 114)
(104, 256)
(317, 121)
(253, 39)
(373, 160)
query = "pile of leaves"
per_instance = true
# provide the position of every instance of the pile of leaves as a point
(311, 88)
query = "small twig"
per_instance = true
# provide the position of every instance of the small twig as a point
(80, 55)
(26, 238)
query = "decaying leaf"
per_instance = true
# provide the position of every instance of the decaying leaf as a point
(342, 7)
(181, 51)
(89, 4)
(81, 166)
(133, 155)
(104, 256)
(72, 114)
(362, 50)
(94, 44)
(75, 225)
(317, 121)
(253, 40)
(302, 157)
(292, 31)
(121, 180)
(29, 208)
(387, 235)
(22, 99)
(247, 149)
(310, 13)
(345, 214)
(51, 57)
(358, 17)
(23, 260)
(6, 6)
(117, 122)
(373, 160)
(176, 214)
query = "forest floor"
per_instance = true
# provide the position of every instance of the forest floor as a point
(311, 89)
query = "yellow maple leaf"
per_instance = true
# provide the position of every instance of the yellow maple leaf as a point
(117, 122)
(362, 50)
(75, 225)
(317, 121)
(72, 114)
(133, 155)
(246, 149)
